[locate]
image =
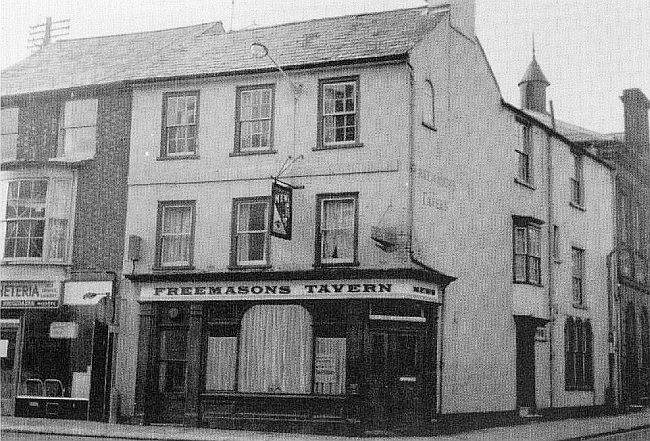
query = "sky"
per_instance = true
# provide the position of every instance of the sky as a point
(589, 50)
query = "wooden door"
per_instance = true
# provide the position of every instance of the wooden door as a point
(396, 381)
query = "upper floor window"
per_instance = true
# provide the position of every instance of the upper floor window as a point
(175, 233)
(250, 235)
(254, 130)
(578, 274)
(336, 236)
(37, 219)
(557, 255)
(9, 122)
(578, 355)
(524, 153)
(577, 184)
(527, 253)
(338, 112)
(428, 107)
(180, 124)
(78, 133)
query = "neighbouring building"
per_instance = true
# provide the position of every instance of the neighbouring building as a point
(66, 118)
(628, 260)
(366, 239)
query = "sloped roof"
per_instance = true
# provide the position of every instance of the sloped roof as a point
(534, 73)
(187, 52)
(85, 61)
(571, 131)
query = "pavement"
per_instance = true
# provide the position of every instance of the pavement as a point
(568, 429)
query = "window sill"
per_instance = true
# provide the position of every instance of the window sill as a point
(26, 261)
(174, 158)
(249, 267)
(429, 126)
(338, 146)
(524, 183)
(580, 306)
(159, 268)
(519, 282)
(336, 265)
(253, 153)
(577, 206)
(579, 389)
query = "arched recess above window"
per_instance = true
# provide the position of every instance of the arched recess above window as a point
(429, 106)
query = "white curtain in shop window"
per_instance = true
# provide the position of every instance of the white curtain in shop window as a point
(276, 350)
(221, 363)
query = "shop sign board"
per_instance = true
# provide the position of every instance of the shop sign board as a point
(86, 292)
(290, 290)
(64, 330)
(282, 197)
(19, 294)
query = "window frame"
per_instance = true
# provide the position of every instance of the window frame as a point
(578, 355)
(61, 150)
(527, 225)
(525, 154)
(320, 198)
(429, 106)
(577, 189)
(237, 150)
(162, 205)
(57, 206)
(164, 154)
(11, 133)
(234, 234)
(322, 83)
(578, 274)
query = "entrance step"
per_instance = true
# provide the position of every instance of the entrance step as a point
(528, 412)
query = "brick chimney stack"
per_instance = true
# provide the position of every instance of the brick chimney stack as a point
(635, 113)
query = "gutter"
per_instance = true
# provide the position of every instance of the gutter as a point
(551, 258)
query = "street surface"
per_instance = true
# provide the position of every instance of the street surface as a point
(635, 435)
(39, 437)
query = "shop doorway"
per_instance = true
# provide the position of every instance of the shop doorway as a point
(396, 378)
(9, 363)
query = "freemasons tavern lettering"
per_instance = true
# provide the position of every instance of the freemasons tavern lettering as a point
(272, 289)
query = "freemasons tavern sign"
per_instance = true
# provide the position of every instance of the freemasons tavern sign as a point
(282, 210)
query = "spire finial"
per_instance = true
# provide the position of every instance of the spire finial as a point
(533, 45)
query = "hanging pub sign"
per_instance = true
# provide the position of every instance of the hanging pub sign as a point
(282, 208)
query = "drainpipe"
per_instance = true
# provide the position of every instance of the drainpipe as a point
(112, 345)
(551, 258)
(410, 222)
(613, 309)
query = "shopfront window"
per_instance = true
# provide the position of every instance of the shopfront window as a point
(276, 349)
(58, 353)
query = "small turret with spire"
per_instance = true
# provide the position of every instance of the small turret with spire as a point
(533, 87)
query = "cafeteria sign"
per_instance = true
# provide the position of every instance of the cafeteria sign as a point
(282, 201)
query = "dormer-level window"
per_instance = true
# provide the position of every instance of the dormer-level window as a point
(9, 124)
(180, 124)
(78, 130)
(339, 113)
(577, 184)
(524, 154)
